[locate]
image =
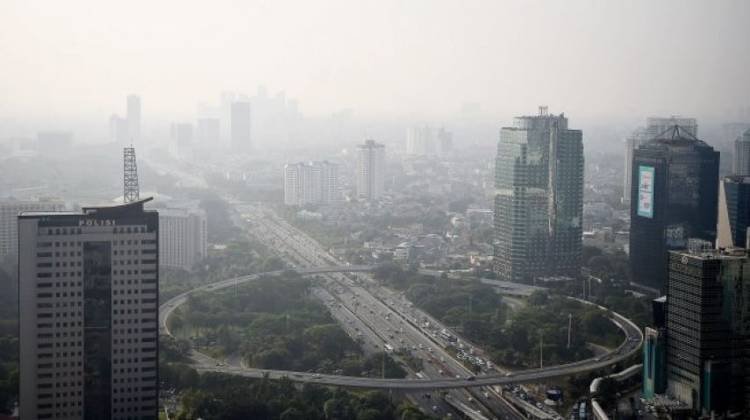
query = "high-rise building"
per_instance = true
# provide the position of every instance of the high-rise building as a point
(656, 126)
(655, 351)
(9, 211)
(133, 118)
(674, 195)
(734, 212)
(182, 139)
(370, 170)
(708, 330)
(311, 183)
(208, 132)
(741, 161)
(182, 237)
(654, 362)
(444, 141)
(88, 313)
(539, 198)
(638, 137)
(420, 141)
(330, 191)
(118, 130)
(240, 126)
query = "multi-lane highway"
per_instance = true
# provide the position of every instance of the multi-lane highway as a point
(628, 348)
(385, 320)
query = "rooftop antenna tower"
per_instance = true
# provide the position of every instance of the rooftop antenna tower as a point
(130, 179)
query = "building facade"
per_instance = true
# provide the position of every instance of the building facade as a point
(674, 196)
(370, 170)
(208, 132)
(311, 183)
(240, 126)
(708, 330)
(637, 138)
(741, 161)
(420, 141)
(734, 212)
(183, 237)
(9, 211)
(88, 313)
(538, 199)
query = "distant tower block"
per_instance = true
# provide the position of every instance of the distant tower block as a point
(131, 191)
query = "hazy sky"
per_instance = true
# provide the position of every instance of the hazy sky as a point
(380, 58)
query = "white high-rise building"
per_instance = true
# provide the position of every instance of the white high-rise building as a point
(330, 192)
(183, 237)
(181, 135)
(741, 162)
(370, 170)
(89, 302)
(9, 211)
(240, 126)
(311, 183)
(420, 141)
(208, 132)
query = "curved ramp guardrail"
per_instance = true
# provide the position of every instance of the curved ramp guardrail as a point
(204, 363)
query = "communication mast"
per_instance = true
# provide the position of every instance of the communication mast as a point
(130, 179)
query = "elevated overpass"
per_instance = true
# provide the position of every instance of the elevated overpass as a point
(204, 363)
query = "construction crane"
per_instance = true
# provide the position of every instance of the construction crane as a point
(130, 180)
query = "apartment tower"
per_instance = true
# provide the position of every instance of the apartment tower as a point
(88, 313)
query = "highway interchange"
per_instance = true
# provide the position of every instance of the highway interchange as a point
(381, 319)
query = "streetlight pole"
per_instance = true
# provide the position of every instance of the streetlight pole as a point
(570, 326)
(541, 352)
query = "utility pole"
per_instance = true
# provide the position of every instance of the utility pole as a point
(382, 368)
(570, 326)
(541, 345)
(583, 283)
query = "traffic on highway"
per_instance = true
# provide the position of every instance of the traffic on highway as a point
(383, 320)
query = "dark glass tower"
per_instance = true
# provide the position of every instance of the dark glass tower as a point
(539, 199)
(708, 331)
(734, 212)
(674, 197)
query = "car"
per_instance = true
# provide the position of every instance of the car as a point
(471, 378)
(508, 374)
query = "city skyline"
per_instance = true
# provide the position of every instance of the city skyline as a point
(321, 47)
(369, 210)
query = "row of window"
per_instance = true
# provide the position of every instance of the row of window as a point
(78, 231)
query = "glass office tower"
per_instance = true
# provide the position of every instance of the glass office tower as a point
(673, 198)
(538, 199)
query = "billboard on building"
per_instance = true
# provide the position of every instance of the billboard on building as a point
(646, 191)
